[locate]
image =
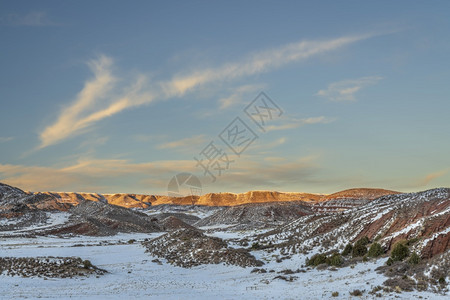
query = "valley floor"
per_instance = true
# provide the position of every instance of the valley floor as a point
(132, 274)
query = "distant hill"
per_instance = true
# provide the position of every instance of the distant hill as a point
(340, 200)
(360, 193)
(211, 199)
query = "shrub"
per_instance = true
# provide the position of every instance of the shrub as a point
(389, 262)
(412, 241)
(132, 241)
(356, 293)
(359, 249)
(347, 250)
(87, 264)
(414, 259)
(334, 294)
(256, 246)
(335, 260)
(400, 251)
(441, 281)
(316, 260)
(363, 241)
(375, 250)
(376, 289)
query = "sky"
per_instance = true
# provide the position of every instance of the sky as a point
(299, 96)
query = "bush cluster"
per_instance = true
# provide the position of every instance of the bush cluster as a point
(414, 259)
(400, 251)
(256, 246)
(334, 259)
(375, 250)
(347, 250)
(360, 249)
(316, 260)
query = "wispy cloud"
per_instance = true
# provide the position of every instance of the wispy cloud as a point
(35, 18)
(239, 95)
(5, 139)
(430, 177)
(184, 143)
(345, 90)
(98, 99)
(257, 63)
(93, 142)
(420, 182)
(295, 123)
(99, 175)
(88, 174)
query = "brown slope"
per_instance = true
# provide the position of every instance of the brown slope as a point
(350, 198)
(231, 199)
(124, 200)
(211, 199)
(359, 193)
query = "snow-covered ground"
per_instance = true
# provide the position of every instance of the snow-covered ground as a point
(134, 275)
(198, 211)
(53, 219)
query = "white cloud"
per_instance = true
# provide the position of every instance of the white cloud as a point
(295, 123)
(5, 139)
(184, 143)
(345, 90)
(237, 96)
(100, 175)
(88, 174)
(36, 18)
(98, 99)
(257, 63)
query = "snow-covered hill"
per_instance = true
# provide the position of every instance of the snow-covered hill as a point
(424, 216)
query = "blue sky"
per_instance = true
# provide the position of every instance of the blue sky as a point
(116, 96)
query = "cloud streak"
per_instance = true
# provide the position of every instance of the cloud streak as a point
(345, 90)
(256, 63)
(88, 174)
(33, 19)
(98, 99)
(5, 139)
(238, 94)
(99, 175)
(295, 123)
(184, 143)
(430, 177)
(94, 102)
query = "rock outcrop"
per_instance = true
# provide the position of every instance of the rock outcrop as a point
(97, 218)
(48, 267)
(211, 199)
(258, 214)
(190, 247)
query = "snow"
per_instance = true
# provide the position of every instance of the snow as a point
(55, 218)
(408, 228)
(133, 275)
(435, 235)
